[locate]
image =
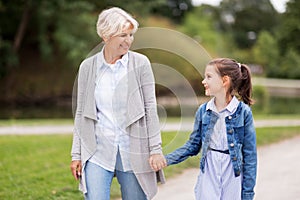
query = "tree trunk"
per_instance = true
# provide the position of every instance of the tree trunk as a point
(22, 26)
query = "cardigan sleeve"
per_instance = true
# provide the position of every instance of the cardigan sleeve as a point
(81, 84)
(147, 83)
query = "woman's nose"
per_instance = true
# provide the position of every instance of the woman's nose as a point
(129, 38)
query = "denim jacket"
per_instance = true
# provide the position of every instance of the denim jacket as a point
(241, 139)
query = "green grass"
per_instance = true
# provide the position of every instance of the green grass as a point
(277, 116)
(37, 167)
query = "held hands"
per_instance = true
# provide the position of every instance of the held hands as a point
(76, 169)
(157, 162)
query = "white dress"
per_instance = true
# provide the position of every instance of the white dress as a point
(218, 181)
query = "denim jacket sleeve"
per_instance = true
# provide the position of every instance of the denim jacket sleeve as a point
(191, 147)
(249, 157)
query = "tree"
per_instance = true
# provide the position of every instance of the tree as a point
(289, 29)
(44, 28)
(246, 19)
(290, 65)
(200, 25)
(173, 9)
(266, 52)
(44, 38)
(52, 27)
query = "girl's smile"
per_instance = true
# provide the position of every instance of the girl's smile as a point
(212, 81)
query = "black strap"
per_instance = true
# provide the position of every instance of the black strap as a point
(220, 151)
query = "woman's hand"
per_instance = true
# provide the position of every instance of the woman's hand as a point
(157, 162)
(76, 169)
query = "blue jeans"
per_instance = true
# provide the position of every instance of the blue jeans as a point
(98, 181)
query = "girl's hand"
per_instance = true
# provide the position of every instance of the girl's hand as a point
(157, 162)
(76, 169)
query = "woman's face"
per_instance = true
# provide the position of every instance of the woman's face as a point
(120, 44)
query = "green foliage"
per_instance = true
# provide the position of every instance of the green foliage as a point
(288, 67)
(200, 25)
(246, 19)
(66, 27)
(289, 29)
(61, 33)
(261, 99)
(283, 105)
(53, 27)
(8, 58)
(246, 28)
(76, 32)
(175, 10)
(277, 63)
(266, 52)
(289, 43)
(61, 26)
(140, 8)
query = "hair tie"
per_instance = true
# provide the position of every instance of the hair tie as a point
(239, 64)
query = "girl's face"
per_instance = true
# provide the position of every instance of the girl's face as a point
(120, 43)
(212, 82)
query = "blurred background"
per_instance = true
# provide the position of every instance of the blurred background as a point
(42, 43)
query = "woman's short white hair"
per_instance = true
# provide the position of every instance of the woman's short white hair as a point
(112, 21)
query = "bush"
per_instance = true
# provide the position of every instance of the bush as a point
(261, 98)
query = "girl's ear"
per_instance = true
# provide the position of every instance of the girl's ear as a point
(226, 81)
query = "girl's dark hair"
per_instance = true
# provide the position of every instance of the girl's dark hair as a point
(240, 78)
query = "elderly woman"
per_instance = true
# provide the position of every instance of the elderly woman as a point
(116, 123)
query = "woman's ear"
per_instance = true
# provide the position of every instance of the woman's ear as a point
(105, 39)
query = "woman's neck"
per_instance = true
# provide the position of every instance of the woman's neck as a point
(109, 56)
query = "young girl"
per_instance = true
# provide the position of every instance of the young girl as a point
(225, 131)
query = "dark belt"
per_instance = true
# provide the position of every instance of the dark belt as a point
(220, 151)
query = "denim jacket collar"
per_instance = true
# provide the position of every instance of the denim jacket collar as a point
(231, 107)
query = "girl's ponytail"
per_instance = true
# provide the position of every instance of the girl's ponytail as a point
(245, 88)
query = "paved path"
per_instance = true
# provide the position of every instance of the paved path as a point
(278, 175)
(183, 126)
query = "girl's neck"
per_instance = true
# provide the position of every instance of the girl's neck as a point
(222, 103)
